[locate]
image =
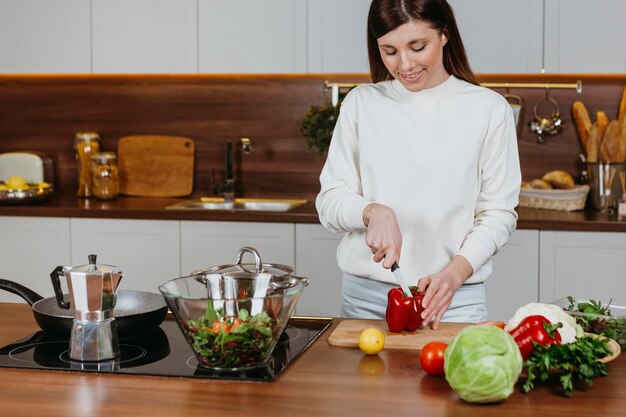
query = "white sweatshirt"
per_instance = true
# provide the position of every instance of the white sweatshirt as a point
(444, 159)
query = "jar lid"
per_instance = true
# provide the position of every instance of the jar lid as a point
(87, 136)
(104, 157)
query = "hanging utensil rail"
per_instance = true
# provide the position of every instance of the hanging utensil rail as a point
(578, 86)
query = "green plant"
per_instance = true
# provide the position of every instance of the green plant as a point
(318, 125)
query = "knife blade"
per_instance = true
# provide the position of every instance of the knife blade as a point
(395, 268)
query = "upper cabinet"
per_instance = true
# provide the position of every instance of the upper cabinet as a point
(337, 36)
(38, 36)
(501, 36)
(294, 36)
(145, 36)
(251, 36)
(585, 37)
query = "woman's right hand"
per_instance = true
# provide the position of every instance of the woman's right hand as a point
(383, 233)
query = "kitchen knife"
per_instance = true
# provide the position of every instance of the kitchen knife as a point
(395, 268)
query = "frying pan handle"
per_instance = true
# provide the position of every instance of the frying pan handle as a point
(56, 284)
(30, 296)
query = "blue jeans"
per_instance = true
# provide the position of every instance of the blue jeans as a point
(367, 299)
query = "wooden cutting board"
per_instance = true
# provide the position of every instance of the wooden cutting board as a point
(347, 334)
(155, 166)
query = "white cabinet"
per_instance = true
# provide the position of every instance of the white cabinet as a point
(585, 37)
(316, 258)
(39, 36)
(145, 36)
(251, 36)
(515, 277)
(205, 244)
(30, 248)
(583, 264)
(501, 36)
(337, 40)
(147, 251)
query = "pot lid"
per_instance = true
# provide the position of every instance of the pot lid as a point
(241, 269)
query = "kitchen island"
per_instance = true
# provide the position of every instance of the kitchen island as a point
(324, 381)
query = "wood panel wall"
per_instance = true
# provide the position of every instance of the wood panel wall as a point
(43, 112)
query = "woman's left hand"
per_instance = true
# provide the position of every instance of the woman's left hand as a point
(439, 289)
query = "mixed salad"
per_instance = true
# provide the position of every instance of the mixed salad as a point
(231, 342)
(596, 318)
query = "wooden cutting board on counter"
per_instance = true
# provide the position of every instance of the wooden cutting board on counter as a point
(155, 166)
(347, 333)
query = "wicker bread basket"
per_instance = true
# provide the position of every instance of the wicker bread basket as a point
(563, 200)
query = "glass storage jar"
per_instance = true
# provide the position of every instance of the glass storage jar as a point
(105, 183)
(86, 144)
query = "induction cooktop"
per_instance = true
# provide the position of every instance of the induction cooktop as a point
(161, 352)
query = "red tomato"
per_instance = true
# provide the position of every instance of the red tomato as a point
(431, 357)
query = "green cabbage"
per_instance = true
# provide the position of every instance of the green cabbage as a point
(482, 364)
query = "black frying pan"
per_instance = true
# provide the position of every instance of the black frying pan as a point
(135, 312)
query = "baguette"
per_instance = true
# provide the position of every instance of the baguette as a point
(621, 114)
(603, 123)
(593, 144)
(610, 149)
(583, 122)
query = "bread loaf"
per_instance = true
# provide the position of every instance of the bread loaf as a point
(583, 122)
(559, 179)
(593, 144)
(540, 184)
(610, 149)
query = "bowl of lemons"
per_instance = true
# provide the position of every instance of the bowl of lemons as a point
(16, 190)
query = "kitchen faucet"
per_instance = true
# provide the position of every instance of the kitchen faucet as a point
(227, 190)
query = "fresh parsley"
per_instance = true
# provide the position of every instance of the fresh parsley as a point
(578, 360)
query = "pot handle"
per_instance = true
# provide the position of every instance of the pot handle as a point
(257, 259)
(30, 296)
(305, 280)
(56, 284)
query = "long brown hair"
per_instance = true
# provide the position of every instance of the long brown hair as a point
(386, 15)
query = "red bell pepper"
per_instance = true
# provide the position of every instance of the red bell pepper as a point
(536, 329)
(404, 312)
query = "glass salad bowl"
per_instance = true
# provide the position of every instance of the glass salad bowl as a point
(233, 320)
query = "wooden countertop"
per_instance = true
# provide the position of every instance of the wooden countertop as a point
(324, 381)
(68, 205)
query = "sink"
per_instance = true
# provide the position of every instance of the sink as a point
(240, 204)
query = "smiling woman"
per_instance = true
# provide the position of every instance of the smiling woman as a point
(424, 163)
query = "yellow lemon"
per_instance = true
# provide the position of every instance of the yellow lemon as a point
(44, 185)
(371, 341)
(3, 187)
(17, 183)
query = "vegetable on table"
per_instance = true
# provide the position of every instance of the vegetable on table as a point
(535, 330)
(432, 357)
(578, 360)
(597, 319)
(404, 312)
(482, 364)
(569, 330)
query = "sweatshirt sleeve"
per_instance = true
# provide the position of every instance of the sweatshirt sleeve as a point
(340, 202)
(495, 217)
